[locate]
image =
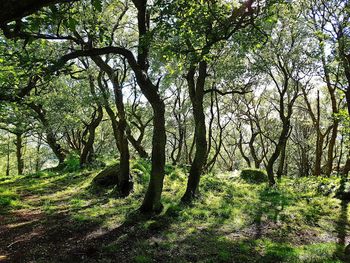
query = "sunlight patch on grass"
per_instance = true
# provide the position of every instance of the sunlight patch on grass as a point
(9, 199)
(231, 219)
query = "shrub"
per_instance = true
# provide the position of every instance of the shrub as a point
(141, 170)
(254, 175)
(72, 163)
(326, 186)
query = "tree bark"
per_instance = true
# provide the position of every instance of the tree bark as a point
(331, 91)
(124, 180)
(151, 202)
(50, 136)
(318, 154)
(136, 144)
(196, 90)
(331, 147)
(19, 146)
(152, 198)
(87, 153)
(8, 158)
(37, 161)
(241, 150)
(279, 147)
(281, 164)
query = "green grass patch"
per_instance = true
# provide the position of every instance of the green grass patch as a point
(231, 220)
(8, 199)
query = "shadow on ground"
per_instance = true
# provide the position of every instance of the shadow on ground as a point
(61, 220)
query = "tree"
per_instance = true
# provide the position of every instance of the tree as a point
(195, 41)
(12, 10)
(15, 121)
(287, 69)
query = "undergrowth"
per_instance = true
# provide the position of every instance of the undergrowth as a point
(232, 220)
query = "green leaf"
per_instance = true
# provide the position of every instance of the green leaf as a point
(97, 4)
(72, 23)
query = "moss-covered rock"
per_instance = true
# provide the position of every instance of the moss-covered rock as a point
(107, 177)
(255, 176)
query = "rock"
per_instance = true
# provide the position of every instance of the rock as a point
(254, 175)
(107, 177)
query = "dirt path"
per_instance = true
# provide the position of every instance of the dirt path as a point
(33, 236)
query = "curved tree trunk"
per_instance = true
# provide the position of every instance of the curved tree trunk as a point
(124, 180)
(152, 198)
(281, 165)
(196, 90)
(241, 150)
(50, 136)
(119, 127)
(136, 144)
(87, 154)
(282, 141)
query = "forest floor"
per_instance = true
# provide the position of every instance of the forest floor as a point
(59, 217)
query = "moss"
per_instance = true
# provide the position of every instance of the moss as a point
(254, 175)
(8, 199)
(106, 178)
(142, 259)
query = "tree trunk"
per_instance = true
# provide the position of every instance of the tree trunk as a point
(318, 154)
(124, 180)
(346, 168)
(305, 167)
(241, 150)
(8, 159)
(279, 147)
(87, 154)
(119, 127)
(218, 144)
(335, 111)
(37, 161)
(181, 144)
(196, 91)
(346, 66)
(347, 97)
(19, 146)
(56, 148)
(252, 150)
(152, 198)
(281, 164)
(200, 154)
(331, 146)
(136, 144)
(50, 136)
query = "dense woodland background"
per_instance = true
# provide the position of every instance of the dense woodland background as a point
(208, 88)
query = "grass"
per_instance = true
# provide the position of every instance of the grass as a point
(231, 221)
